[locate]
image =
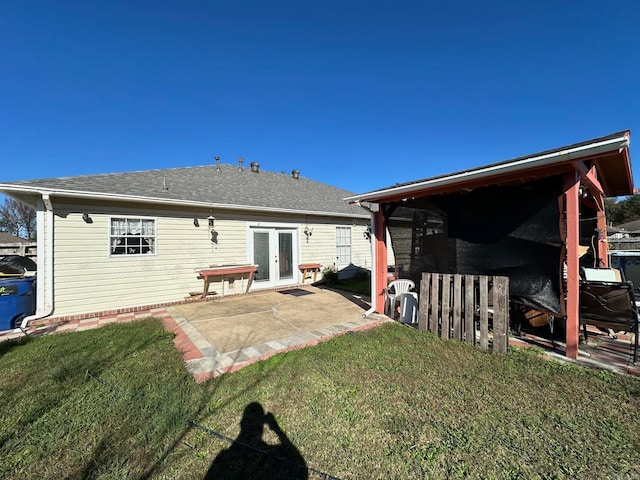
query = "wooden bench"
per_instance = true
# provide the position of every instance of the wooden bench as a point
(224, 270)
(308, 268)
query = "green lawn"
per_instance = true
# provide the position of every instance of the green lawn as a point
(386, 403)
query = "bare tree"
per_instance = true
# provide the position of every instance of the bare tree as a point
(18, 218)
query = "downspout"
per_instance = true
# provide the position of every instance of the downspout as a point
(374, 262)
(45, 230)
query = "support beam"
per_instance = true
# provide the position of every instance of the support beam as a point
(589, 177)
(603, 247)
(572, 239)
(380, 251)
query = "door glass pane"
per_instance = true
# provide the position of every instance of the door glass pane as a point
(261, 255)
(285, 253)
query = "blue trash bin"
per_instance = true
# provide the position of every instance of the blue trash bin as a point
(17, 300)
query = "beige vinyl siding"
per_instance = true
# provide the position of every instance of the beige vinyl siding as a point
(88, 279)
(321, 247)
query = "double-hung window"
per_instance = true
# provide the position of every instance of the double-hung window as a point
(343, 245)
(132, 236)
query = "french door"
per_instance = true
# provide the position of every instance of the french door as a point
(274, 251)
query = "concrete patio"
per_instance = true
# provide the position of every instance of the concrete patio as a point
(232, 332)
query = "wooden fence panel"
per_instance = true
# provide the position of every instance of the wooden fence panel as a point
(469, 323)
(500, 314)
(456, 326)
(444, 318)
(434, 304)
(484, 312)
(462, 307)
(423, 303)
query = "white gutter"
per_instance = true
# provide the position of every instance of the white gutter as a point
(160, 201)
(45, 265)
(502, 168)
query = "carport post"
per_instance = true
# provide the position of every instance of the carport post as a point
(603, 248)
(572, 239)
(380, 260)
(589, 178)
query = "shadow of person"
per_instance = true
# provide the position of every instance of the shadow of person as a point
(251, 457)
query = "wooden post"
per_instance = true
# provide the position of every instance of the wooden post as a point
(572, 213)
(589, 178)
(603, 250)
(380, 250)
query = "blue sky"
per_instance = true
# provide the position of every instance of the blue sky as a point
(357, 94)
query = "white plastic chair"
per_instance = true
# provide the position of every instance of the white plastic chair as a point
(393, 292)
(409, 308)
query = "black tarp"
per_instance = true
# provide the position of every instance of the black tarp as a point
(495, 230)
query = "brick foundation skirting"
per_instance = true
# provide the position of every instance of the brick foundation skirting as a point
(142, 308)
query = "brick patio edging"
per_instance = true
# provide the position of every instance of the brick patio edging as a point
(203, 376)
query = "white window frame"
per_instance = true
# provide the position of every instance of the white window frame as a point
(343, 245)
(129, 229)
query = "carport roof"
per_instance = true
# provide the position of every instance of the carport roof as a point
(609, 155)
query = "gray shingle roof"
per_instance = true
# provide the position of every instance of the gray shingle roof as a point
(6, 237)
(633, 226)
(227, 186)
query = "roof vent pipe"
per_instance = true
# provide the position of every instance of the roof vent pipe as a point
(217, 163)
(295, 174)
(240, 160)
(255, 167)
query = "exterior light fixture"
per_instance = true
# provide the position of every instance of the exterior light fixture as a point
(308, 231)
(87, 218)
(214, 235)
(196, 223)
(367, 232)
